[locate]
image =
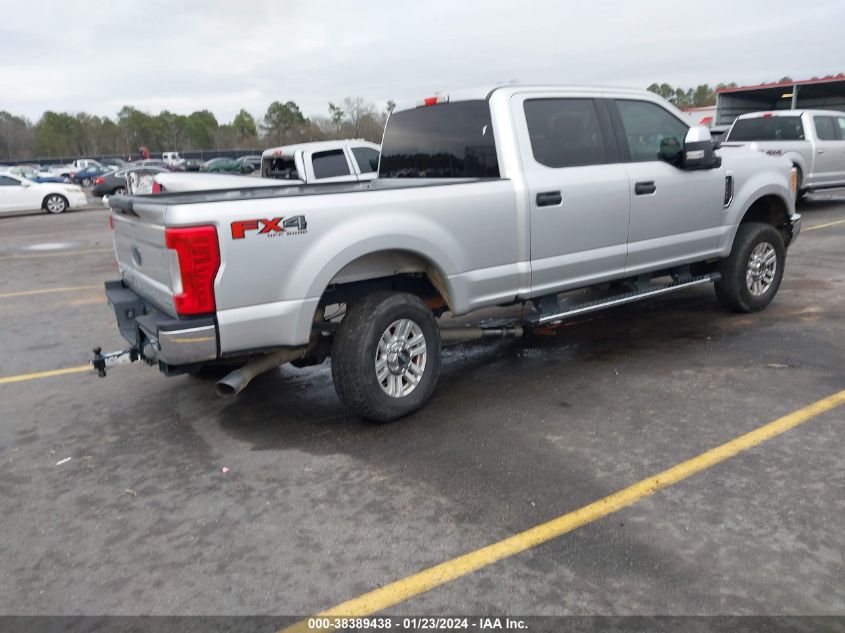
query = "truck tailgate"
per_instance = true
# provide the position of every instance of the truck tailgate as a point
(142, 256)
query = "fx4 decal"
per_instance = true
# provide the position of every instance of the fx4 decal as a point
(271, 228)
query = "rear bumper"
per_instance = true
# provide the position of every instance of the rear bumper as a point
(158, 336)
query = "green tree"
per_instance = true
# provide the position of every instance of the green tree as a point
(244, 125)
(283, 122)
(703, 95)
(17, 138)
(138, 128)
(173, 130)
(336, 114)
(201, 129)
(57, 134)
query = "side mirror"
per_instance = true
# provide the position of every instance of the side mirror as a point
(670, 151)
(698, 150)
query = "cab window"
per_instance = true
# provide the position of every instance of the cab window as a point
(330, 164)
(367, 159)
(825, 128)
(565, 132)
(645, 125)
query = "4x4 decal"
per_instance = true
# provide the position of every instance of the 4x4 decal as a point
(273, 227)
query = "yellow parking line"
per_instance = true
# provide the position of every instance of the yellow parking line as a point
(416, 584)
(42, 291)
(824, 226)
(61, 254)
(45, 374)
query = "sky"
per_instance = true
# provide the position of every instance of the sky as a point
(227, 55)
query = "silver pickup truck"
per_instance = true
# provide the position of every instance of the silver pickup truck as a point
(510, 196)
(812, 140)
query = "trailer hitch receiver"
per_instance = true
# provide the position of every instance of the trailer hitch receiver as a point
(101, 361)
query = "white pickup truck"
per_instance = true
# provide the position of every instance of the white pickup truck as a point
(321, 162)
(812, 140)
(499, 197)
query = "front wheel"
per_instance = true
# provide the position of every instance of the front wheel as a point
(752, 273)
(55, 203)
(386, 356)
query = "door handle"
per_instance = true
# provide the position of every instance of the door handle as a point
(643, 188)
(549, 198)
(820, 151)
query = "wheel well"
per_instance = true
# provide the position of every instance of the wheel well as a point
(772, 210)
(389, 270)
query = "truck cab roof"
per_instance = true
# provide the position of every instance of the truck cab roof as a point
(770, 113)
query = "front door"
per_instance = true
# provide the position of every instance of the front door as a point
(577, 190)
(676, 215)
(829, 161)
(14, 196)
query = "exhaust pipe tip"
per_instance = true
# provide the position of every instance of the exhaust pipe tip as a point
(231, 384)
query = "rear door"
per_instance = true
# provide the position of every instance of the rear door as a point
(676, 215)
(829, 160)
(577, 189)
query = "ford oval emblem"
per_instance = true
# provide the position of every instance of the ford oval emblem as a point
(136, 255)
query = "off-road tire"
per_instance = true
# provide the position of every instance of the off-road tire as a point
(355, 348)
(732, 289)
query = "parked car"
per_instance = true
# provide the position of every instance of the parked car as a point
(86, 175)
(117, 163)
(253, 162)
(192, 164)
(813, 140)
(114, 183)
(508, 195)
(171, 159)
(33, 175)
(224, 164)
(20, 194)
(322, 162)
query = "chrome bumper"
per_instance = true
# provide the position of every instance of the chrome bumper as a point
(158, 336)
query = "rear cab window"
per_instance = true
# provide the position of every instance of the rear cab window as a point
(281, 167)
(447, 140)
(768, 128)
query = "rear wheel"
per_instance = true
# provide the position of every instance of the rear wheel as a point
(118, 191)
(386, 356)
(751, 275)
(86, 182)
(54, 203)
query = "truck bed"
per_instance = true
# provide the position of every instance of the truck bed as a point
(125, 203)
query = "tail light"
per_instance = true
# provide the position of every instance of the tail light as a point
(195, 259)
(157, 188)
(99, 181)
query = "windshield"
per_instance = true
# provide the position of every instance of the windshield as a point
(767, 128)
(450, 140)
